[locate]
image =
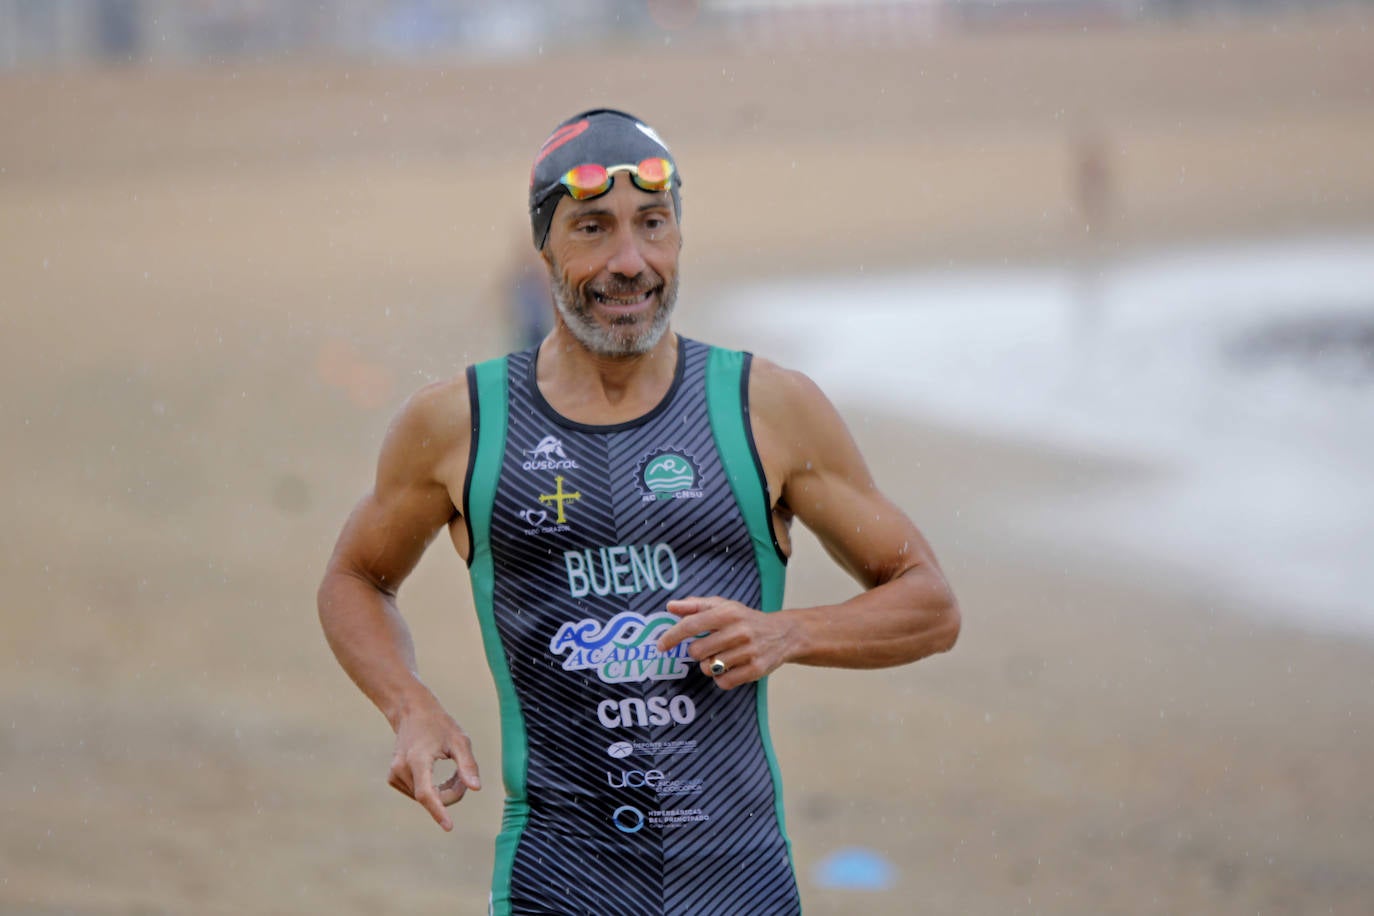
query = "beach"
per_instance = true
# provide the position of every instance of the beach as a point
(220, 283)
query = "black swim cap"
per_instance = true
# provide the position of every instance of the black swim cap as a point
(604, 136)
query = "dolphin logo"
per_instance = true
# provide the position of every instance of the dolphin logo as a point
(548, 449)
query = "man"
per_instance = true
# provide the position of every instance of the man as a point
(623, 497)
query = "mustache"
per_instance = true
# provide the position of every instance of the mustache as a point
(618, 287)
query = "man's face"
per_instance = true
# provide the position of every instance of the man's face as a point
(613, 266)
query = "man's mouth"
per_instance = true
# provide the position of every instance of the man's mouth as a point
(624, 301)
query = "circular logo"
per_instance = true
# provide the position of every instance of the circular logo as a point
(669, 473)
(628, 819)
(621, 749)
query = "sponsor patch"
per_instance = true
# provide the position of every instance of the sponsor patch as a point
(668, 474)
(623, 649)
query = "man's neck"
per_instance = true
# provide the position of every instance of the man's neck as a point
(603, 390)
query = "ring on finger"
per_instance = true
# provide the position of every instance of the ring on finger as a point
(718, 667)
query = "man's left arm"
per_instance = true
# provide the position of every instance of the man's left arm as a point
(907, 610)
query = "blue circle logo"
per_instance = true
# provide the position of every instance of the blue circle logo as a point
(628, 819)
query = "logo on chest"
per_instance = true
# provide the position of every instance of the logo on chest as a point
(669, 473)
(548, 455)
(622, 649)
(552, 514)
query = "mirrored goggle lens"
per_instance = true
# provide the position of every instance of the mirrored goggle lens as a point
(653, 174)
(584, 181)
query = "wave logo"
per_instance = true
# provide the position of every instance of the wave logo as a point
(622, 650)
(669, 475)
(548, 455)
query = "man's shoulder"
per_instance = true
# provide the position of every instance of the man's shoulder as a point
(438, 413)
(776, 390)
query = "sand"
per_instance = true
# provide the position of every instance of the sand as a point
(218, 284)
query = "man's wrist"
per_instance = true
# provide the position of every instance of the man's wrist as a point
(407, 701)
(799, 638)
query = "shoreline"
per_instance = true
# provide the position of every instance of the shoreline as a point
(1238, 468)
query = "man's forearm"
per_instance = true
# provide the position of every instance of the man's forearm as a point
(372, 643)
(907, 618)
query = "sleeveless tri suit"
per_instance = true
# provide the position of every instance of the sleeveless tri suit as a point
(634, 785)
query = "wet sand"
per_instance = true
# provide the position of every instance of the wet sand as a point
(219, 284)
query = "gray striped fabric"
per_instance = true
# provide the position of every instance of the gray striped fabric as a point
(648, 789)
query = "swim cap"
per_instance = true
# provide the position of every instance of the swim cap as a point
(604, 136)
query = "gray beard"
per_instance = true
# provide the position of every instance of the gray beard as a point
(626, 336)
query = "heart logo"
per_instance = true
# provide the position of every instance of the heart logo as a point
(535, 517)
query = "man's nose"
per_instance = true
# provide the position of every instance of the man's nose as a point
(627, 260)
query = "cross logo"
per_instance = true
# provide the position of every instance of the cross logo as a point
(559, 497)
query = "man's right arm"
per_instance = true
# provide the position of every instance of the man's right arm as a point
(419, 477)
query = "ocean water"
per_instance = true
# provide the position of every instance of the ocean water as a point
(1243, 375)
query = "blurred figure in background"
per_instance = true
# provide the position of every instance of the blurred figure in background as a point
(529, 303)
(1093, 199)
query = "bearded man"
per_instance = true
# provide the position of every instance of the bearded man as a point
(623, 498)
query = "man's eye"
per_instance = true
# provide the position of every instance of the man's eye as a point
(587, 229)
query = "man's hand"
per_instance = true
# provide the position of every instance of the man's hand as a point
(423, 738)
(752, 644)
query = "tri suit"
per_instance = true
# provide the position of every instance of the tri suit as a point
(634, 785)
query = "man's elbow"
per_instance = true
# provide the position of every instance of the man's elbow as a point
(943, 621)
(324, 594)
(335, 590)
(948, 626)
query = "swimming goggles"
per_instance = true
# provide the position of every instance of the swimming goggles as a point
(583, 182)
